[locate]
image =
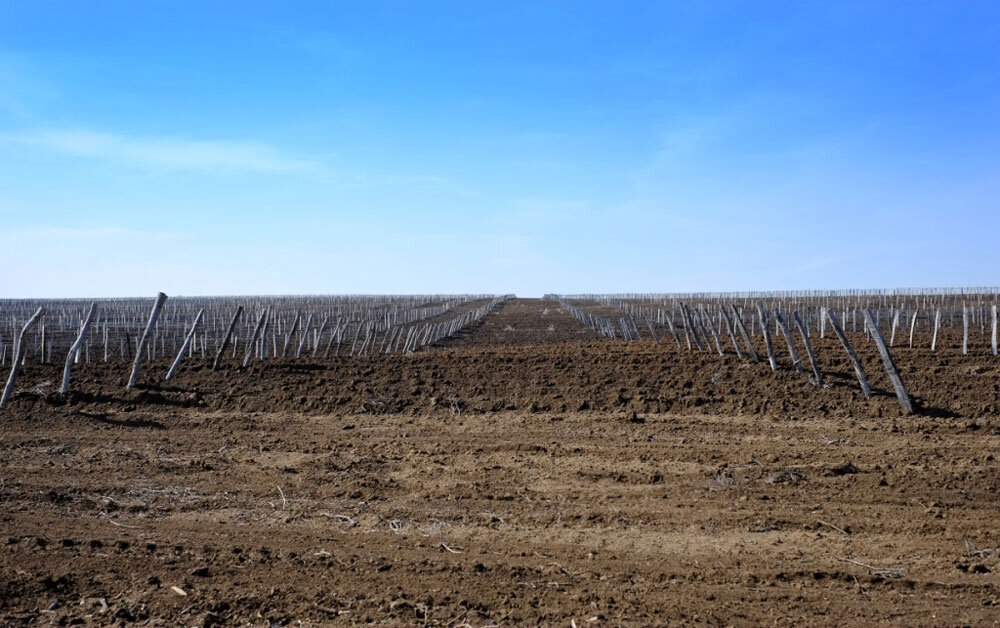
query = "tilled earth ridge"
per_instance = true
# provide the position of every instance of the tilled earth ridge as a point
(688, 489)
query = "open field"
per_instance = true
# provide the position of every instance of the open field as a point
(523, 468)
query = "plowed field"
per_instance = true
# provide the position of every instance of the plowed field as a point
(524, 472)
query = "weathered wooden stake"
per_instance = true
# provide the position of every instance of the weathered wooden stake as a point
(687, 334)
(732, 332)
(937, 325)
(796, 362)
(965, 330)
(15, 366)
(75, 349)
(140, 351)
(184, 345)
(767, 337)
(994, 339)
(860, 372)
(319, 334)
(890, 366)
(809, 350)
(743, 332)
(229, 334)
(652, 331)
(304, 336)
(252, 344)
(673, 332)
(689, 322)
(291, 334)
(702, 320)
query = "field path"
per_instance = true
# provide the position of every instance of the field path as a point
(524, 322)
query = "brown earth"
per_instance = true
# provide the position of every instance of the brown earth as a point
(526, 472)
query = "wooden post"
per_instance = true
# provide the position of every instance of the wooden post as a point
(890, 366)
(652, 331)
(252, 345)
(937, 325)
(150, 325)
(288, 338)
(895, 322)
(319, 334)
(689, 322)
(994, 339)
(229, 335)
(702, 321)
(304, 335)
(334, 335)
(743, 332)
(809, 350)
(184, 345)
(15, 366)
(860, 372)
(75, 349)
(965, 330)
(913, 324)
(687, 334)
(767, 337)
(732, 332)
(673, 332)
(796, 362)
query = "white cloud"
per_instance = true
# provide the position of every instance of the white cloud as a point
(160, 153)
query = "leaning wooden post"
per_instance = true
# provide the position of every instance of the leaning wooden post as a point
(702, 321)
(796, 362)
(743, 332)
(809, 349)
(670, 325)
(767, 337)
(937, 325)
(18, 356)
(229, 335)
(689, 323)
(141, 351)
(652, 331)
(184, 346)
(252, 345)
(850, 353)
(304, 336)
(288, 338)
(319, 335)
(71, 356)
(687, 334)
(890, 366)
(732, 333)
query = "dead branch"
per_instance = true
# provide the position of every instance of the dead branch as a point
(830, 525)
(884, 572)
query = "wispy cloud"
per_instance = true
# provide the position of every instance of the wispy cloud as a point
(160, 153)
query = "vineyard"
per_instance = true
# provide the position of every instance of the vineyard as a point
(826, 457)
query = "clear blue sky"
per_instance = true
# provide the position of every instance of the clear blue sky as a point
(405, 147)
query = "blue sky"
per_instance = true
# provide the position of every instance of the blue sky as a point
(528, 147)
